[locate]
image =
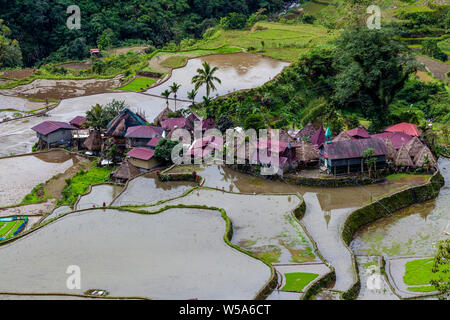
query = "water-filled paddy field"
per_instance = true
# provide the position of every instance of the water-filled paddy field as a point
(237, 71)
(178, 254)
(19, 175)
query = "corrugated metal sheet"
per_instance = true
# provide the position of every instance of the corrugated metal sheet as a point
(354, 148)
(141, 153)
(47, 127)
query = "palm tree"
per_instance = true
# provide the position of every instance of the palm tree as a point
(206, 77)
(174, 88)
(95, 117)
(166, 95)
(191, 95)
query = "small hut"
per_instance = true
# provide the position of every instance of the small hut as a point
(284, 136)
(125, 172)
(343, 136)
(305, 152)
(94, 141)
(421, 157)
(414, 146)
(391, 152)
(403, 159)
(307, 132)
(319, 137)
(162, 116)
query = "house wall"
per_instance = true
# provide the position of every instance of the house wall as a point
(144, 164)
(56, 136)
(342, 165)
(137, 142)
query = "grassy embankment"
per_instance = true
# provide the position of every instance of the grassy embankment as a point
(296, 281)
(419, 273)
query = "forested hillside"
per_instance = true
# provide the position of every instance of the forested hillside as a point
(40, 25)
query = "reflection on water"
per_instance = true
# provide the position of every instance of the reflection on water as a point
(237, 71)
(412, 231)
(100, 194)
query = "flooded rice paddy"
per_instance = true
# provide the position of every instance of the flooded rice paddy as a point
(99, 195)
(147, 189)
(62, 89)
(262, 224)
(19, 175)
(237, 71)
(178, 254)
(412, 231)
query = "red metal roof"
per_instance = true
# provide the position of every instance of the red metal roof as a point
(153, 142)
(399, 139)
(358, 132)
(350, 149)
(383, 135)
(144, 132)
(141, 153)
(404, 127)
(193, 117)
(78, 121)
(47, 127)
(173, 123)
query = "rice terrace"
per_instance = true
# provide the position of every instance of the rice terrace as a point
(103, 198)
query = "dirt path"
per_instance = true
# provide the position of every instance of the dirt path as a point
(438, 69)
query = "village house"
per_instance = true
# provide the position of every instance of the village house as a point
(53, 134)
(140, 136)
(344, 157)
(177, 123)
(142, 158)
(78, 121)
(358, 133)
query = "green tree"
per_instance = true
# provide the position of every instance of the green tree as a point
(440, 277)
(166, 94)
(191, 95)
(98, 117)
(370, 161)
(10, 52)
(105, 40)
(372, 67)
(163, 150)
(174, 89)
(206, 77)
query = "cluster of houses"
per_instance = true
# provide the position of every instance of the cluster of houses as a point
(129, 133)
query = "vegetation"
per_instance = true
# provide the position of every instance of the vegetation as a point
(113, 23)
(440, 277)
(35, 196)
(10, 54)
(99, 116)
(163, 150)
(79, 183)
(206, 77)
(296, 281)
(138, 84)
(174, 89)
(418, 272)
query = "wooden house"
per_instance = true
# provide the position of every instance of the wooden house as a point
(346, 156)
(140, 136)
(53, 134)
(142, 158)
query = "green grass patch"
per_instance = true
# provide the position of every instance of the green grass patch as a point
(35, 196)
(174, 61)
(401, 176)
(296, 281)
(138, 84)
(79, 184)
(418, 272)
(422, 289)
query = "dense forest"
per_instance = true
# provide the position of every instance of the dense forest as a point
(40, 25)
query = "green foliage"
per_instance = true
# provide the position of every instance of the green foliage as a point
(430, 47)
(206, 77)
(372, 68)
(224, 123)
(79, 184)
(296, 281)
(36, 195)
(255, 121)
(99, 116)
(233, 21)
(138, 84)
(163, 150)
(10, 52)
(440, 277)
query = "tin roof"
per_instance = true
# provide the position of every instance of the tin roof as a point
(358, 132)
(404, 127)
(141, 153)
(47, 127)
(78, 121)
(153, 142)
(173, 123)
(350, 149)
(144, 132)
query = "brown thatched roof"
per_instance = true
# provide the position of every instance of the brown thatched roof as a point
(391, 152)
(414, 146)
(119, 129)
(307, 131)
(126, 171)
(162, 116)
(284, 136)
(305, 151)
(402, 158)
(419, 159)
(94, 141)
(343, 136)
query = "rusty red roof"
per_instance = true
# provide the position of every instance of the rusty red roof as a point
(47, 127)
(193, 117)
(153, 142)
(404, 127)
(141, 153)
(78, 121)
(350, 149)
(173, 123)
(144, 132)
(358, 132)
